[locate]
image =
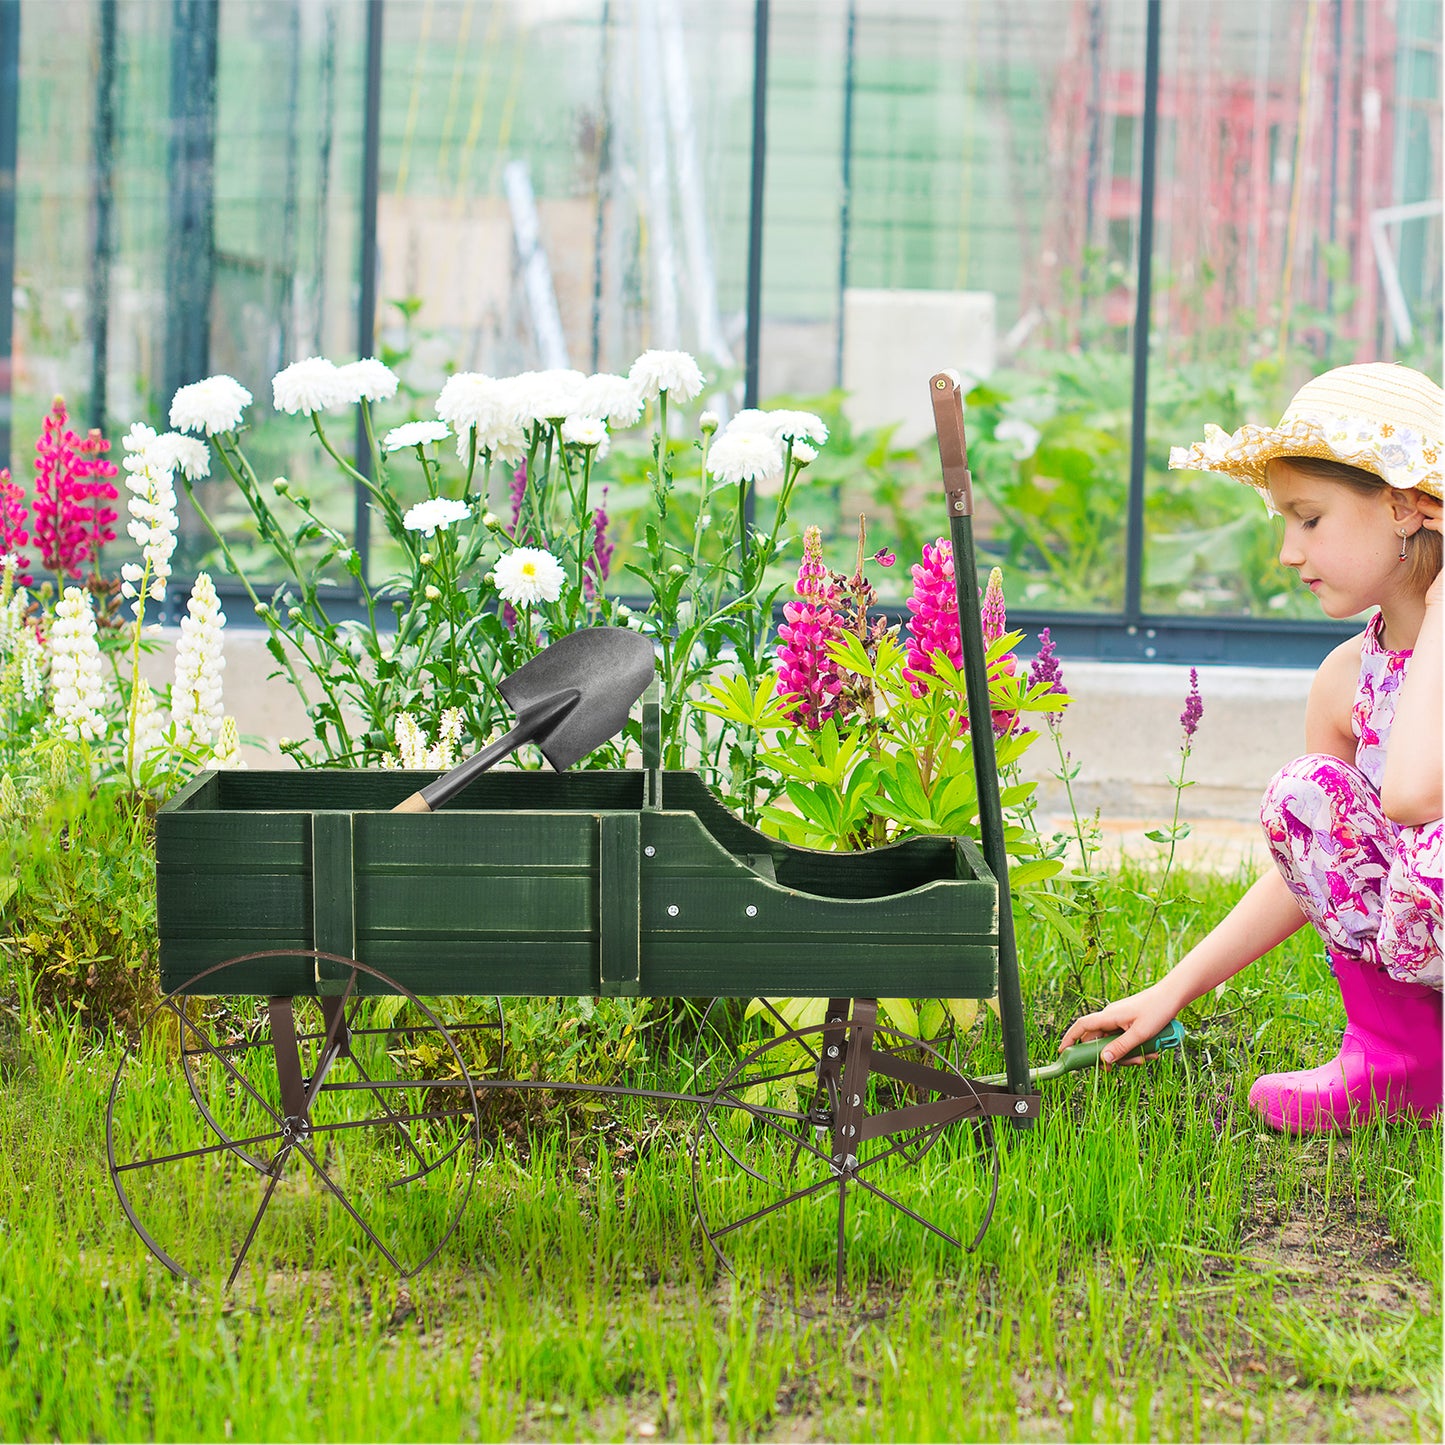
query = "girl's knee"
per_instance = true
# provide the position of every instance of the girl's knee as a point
(1313, 791)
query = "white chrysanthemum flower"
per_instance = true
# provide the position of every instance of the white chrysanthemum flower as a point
(584, 431)
(152, 508)
(212, 405)
(744, 456)
(196, 694)
(709, 421)
(544, 397)
(77, 687)
(227, 751)
(613, 398)
(171, 450)
(674, 372)
(367, 380)
(783, 424)
(472, 402)
(526, 576)
(437, 513)
(415, 434)
(803, 454)
(1024, 435)
(308, 386)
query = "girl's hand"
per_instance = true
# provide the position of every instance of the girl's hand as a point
(1140, 1016)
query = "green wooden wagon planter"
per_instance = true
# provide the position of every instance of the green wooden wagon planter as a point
(351, 920)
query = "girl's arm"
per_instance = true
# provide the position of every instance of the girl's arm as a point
(1413, 788)
(1261, 920)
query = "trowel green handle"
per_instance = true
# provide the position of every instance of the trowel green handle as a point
(1084, 1056)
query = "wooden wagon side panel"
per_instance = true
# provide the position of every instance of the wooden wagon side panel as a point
(713, 924)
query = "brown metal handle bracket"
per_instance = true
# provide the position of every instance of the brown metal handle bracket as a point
(947, 397)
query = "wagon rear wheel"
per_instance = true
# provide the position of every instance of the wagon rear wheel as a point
(245, 1133)
(780, 1186)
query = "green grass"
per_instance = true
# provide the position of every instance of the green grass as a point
(1158, 1268)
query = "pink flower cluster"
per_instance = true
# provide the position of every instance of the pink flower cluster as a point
(72, 486)
(933, 626)
(13, 516)
(806, 672)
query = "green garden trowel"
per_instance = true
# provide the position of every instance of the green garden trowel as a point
(1083, 1056)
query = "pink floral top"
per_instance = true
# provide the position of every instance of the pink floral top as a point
(1381, 673)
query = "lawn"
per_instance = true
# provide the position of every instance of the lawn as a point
(1158, 1266)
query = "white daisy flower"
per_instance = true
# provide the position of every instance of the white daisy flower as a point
(674, 372)
(438, 513)
(526, 576)
(744, 456)
(213, 405)
(367, 380)
(415, 434)
(308, 386)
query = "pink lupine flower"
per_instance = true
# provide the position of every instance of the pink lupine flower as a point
(13, 515)
(884, 558)
(995, 618)
(71, 486)
(933, 626)
(805, 670)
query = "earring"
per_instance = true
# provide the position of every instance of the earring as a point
(1404, 544)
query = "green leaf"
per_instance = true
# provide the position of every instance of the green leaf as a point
(901, 1013)
(963, 1012)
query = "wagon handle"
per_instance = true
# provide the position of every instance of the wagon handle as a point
(946, 393)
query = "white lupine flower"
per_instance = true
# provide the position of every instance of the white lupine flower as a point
(744, 456)
(152, 508)
(528, 575)
(308, 386)
(674, 372)
(147, 727)
(613, 398)
(410, 741)
(77, 689)
(415, 434)
(196, 695)
(212, 405)
(438, 513)
(227, 751)
(28, 660)
(584, 431)
(367, 380)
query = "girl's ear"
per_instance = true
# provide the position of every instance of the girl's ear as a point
(1409, 505)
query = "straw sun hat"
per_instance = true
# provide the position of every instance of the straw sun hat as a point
(1384, 418)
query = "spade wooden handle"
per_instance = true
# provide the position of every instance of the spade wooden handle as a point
(414, 804)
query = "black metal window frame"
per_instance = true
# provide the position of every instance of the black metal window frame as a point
(1129, 635)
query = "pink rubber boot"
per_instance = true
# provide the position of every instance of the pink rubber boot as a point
(1390, 1060)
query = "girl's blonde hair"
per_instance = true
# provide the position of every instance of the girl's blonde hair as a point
(1425, 546)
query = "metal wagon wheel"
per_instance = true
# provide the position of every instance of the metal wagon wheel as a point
(244, 1130)
(710, 1040)
(776, 1173)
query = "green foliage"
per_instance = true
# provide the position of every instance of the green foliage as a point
(77, 894)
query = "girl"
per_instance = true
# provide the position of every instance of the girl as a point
(1354, 469)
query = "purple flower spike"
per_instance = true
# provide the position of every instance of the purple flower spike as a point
(519, 490)
(1193, 708)
(1046, 668)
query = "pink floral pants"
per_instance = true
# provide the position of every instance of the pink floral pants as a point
(1371, 888)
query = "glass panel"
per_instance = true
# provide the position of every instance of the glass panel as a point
(1316, 129)
(980, 216)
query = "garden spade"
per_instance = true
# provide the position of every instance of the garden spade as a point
(569, 699)
(1083, 1056)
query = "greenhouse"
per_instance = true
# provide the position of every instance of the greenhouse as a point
(722, 720)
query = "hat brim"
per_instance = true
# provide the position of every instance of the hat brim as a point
(1399, 455)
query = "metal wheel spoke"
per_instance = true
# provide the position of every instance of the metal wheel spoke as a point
(805, 1192)
(230, 1068)
(899, 1205)
(227, 1146)
(277, 1166)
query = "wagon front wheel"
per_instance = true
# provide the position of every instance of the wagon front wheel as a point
(813, 1149)
(245, 1133)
